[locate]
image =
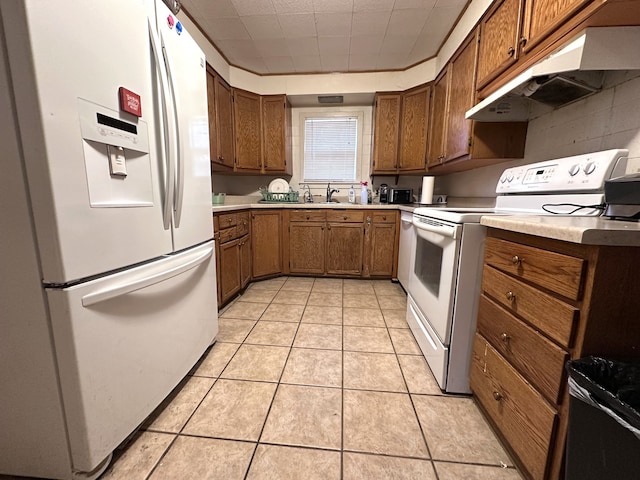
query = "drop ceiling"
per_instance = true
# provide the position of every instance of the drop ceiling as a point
(313, 36)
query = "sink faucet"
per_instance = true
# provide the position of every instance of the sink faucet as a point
(330, 191)
(308, 198)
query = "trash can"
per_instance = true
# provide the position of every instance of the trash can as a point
(603, 436)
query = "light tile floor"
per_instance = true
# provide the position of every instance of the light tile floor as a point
(314, 379)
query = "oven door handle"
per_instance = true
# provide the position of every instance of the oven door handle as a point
(444, 230)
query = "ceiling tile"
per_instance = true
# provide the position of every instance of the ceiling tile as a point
(293, 6)
(254, 7)
(209, 9)
(307, 63)
(333, 45)
(238, 48)
(397, 44)
(334, 63)
(333, 24)
(441, 21)
(407, 22)
(303, 46)
(262, 26)
(226, 29)
(370, 23)
(391, 62)
(256, 65)
(372, 5)
(272, 47)
(366, 45)
(421, 52)
(298, 25)
(362, 62)
(425, 4)
(279, 64)
(332, 6)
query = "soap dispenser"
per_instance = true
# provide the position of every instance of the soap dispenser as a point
(352, 195)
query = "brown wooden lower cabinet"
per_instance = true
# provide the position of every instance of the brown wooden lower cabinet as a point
(266, 242)
(544, 302)
(381, 244)
(344, 248)
(307, 247)
(233, 253)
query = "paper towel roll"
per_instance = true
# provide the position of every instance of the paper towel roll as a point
(427, 190)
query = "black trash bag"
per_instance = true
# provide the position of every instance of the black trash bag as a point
(612, 384)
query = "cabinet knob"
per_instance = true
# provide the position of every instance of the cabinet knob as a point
(497, 396)
(229, 220)
(516, 260)
(523, 41)
(505, 338)
(511, 52)
(344, 218)
(511, 296)
(308, 217)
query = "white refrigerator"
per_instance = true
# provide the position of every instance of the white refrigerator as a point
(108, 294)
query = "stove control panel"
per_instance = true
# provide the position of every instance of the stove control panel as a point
(581, 173)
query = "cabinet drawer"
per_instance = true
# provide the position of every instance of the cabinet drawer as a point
(345, 215)
(538, 359)
(228, 234)
(307, 215)
(242, 223)
(554, 271)
(227, 220)
(383, 217)
(523, 417)
(554, 317)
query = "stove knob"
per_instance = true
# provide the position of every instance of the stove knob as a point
(510, 177)
(589, 168)
(574, 169)
(503, 178)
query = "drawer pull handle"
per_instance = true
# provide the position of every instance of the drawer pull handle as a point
(511, 296)
(384, 217)
(516, 260)
(497, 396)
(308, 217)
(344, 218)
(505, 338)
(229, 220)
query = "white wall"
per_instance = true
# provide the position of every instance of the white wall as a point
(608, 119)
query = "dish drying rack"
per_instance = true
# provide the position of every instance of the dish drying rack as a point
(278, 197)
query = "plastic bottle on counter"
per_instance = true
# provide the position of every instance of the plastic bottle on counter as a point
(352, 195)
(364, 195)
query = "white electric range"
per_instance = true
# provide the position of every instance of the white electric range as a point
(444, 283)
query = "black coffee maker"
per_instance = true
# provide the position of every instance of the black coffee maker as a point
(383, 193)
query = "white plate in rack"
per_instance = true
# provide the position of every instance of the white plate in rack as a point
(279, 185)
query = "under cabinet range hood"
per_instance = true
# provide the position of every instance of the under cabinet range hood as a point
(572, 72)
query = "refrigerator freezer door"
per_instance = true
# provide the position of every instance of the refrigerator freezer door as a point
(186, 67)
(123, 342)
(68, 61)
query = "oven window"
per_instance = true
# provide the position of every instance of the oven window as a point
(428, 266)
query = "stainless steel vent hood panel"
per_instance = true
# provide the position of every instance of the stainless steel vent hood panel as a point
(570, 73)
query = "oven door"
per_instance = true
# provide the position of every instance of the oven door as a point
(434, 274)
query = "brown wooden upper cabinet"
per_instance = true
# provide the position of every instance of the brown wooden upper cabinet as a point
(455, 143)
(511, 28)
(400, 131)
(246, 114)
(220, 105)
(276, 134)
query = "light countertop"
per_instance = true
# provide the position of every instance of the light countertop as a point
(585, 230)
(305, 206)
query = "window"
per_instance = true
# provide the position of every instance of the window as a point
(330, 148)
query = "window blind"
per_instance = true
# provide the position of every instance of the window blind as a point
(330, 149)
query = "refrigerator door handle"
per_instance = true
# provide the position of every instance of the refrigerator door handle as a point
(178, 163)
(125, 287)
(165, 144)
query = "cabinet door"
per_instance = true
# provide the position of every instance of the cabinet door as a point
(245, 260)
(229, 260)
(437, 122)
(275, 109)
(414, 128)
(211, 110)
(542, 17)
(461, 94)
(266, 243)
(385, 133)
(344, 248)
(499, 35)
(307, 247)
(381, 254)
(224, 122)
(246, 113)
